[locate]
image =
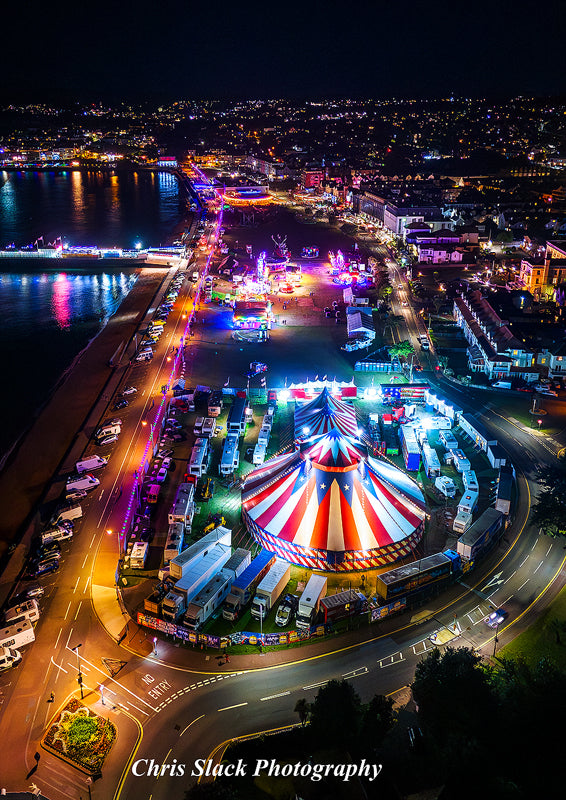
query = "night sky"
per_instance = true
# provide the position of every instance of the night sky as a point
(183, 49)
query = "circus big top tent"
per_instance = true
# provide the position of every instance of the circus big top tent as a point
(323, 414)
(329, 506)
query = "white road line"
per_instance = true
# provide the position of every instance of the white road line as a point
(274, 696)
(510, 576)
(355, 673)
(539, 566)
(58, 667)
(86, 584)
(67, 611)
(76, 584)
(139, 709)
(314, 685)
(533, 547)
(78, 609)
(100, 495)
(189, 725)
(58, 637)
(522, 562)
(92, 540)
(86, 559)
(548, 551)
(74, 666)
(69, 639)
(507, 600)
(523, 584)
(229, 708)
(110, 678)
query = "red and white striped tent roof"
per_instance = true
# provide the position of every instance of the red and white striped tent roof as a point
(331, 507)
(324, 413)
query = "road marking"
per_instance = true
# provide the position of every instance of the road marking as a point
(355, 673)
(69, 639)
(76, 584)
(390, 660)
(548, 551)
(523, 584)
(274, 696)
(533, 547)
(510, 576)
(78, 609)
(522, 562)
(58, 667)
(189, 725)
(67, 611)
(86, 585)
(92, 540)
(106, 677)
(229, 708)
(314, 685)
(58, 637)
(100, 495)
(86, 559)
(424, 645)
(539, 566)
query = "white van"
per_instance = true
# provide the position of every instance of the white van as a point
(9, 658)
(109, 429)
(199, 422)
(71, 511)
(208, 427)
(84, 483)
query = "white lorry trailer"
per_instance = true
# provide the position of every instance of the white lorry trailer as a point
(309, 601)
(270, 589)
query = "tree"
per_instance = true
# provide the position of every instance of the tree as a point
(549, 509)
(302, 708)
(403, 349)
(336, 714)
(378, 719)
(454, 695)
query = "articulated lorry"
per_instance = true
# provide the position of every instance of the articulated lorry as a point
(309, 601)
(270, 589)
(211, 597)
(244, 586)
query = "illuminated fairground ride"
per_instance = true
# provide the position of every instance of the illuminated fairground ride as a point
(248, 196)
(346, 272)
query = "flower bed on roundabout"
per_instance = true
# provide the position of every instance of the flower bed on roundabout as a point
(80, 737)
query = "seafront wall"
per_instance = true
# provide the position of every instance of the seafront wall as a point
(82, 394)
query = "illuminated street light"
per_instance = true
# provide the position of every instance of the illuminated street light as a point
(79, 676)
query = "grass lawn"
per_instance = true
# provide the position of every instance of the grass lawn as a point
(539, 641)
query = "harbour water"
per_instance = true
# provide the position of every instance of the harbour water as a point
(50, 310)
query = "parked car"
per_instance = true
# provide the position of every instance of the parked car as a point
(42, 568)
(120, 404)
(168, 463)
(105, 440)
(129, 390)
(161, 475)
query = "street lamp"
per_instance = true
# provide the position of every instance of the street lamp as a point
(155, 645)
(79, 676)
